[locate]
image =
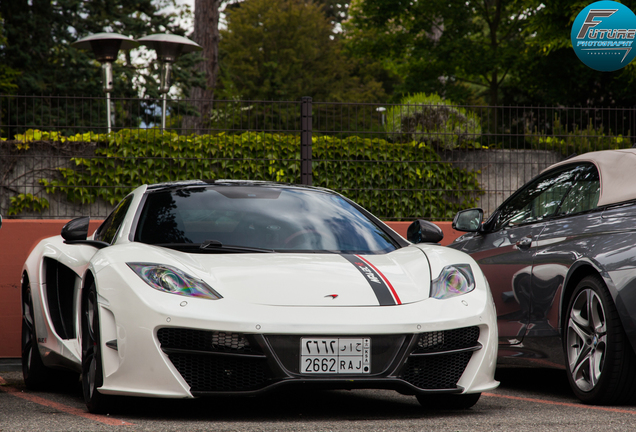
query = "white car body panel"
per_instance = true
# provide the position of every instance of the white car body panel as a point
(300, 294)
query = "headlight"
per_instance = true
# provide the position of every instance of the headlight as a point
(172, 280)
(454, 280)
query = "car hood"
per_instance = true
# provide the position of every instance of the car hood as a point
(314, 279)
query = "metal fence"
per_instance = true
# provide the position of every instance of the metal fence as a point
(400, 161)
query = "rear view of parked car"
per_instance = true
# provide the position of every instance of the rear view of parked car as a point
(560, 258)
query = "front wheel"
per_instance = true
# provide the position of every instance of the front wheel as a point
(448, 401)
(36, 375)
(92, 371)
(600, 360)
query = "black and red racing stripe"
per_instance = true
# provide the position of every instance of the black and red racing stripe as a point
(381, 286)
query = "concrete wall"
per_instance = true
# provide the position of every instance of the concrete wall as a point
(21, 172)
(502, 171)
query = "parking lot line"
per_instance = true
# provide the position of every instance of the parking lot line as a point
(58, 406)
(567, 404)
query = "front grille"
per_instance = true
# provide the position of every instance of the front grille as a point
(207, 373)
(437, 371)
(447, 340)
(440, 358)
(215, 361)
(204, 340)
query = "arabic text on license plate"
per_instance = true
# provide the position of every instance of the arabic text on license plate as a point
(335, 355)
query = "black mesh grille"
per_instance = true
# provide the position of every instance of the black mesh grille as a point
(207, 373)
(436, 371)
(203, 340)
(447, 340)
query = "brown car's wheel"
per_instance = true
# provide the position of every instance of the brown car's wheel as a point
(600, 360)
(35, 374)
(448, 401)
(92, 372)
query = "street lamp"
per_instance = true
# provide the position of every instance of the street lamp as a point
(381, 111)
(106, 46)
(168, 47)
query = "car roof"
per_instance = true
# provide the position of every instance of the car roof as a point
(617, 172)
(228, 182)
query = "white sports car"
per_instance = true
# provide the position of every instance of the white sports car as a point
(196, 288)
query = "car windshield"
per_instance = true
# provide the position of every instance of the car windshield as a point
(214, 218)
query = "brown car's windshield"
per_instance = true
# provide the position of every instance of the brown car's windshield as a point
(213, 218)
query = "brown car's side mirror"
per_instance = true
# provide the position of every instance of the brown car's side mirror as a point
(468, 220)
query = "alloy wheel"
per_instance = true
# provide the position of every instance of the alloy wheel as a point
(586, 339)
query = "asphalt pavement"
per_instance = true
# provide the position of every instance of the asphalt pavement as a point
(533, 400)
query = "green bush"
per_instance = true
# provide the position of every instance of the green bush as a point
(577, 141)
(433, 120)
(394, 181)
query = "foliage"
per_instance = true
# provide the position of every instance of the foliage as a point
(39, 36)
(576, 141)
(394, 181)
(336, 11)
(8, 75)
(552, 74)
(23, 202)
(433, 120)
(461, 49)
(282, 50)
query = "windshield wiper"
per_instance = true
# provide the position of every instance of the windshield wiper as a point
(211, 245)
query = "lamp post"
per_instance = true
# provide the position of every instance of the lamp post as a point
(106, 46)
(168, 47)
(381, 111)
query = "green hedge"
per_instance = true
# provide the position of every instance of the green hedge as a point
(576, 141)
(393, 180)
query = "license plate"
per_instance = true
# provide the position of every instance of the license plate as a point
(335, 355)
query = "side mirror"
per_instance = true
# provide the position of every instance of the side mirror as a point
(421, 231)
(77, 229)
(468, 220)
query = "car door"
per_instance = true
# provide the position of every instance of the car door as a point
(568, 236)
(506, 248)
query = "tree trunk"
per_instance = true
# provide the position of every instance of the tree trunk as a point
(206, 34)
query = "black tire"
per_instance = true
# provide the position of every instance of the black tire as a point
(92, 371)
(448, 401)
(600, 361)
(36, 375)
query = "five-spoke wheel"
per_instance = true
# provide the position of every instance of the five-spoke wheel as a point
(586, 339)
(600, 359)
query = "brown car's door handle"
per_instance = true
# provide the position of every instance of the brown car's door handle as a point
(524, 243)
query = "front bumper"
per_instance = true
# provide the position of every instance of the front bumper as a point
(216, 363)
(163, 345)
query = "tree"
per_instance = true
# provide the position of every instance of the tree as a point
(8, 76)
(551, 73)
(458, 48)
(40, 32)
(286, 49)
(206, 34)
